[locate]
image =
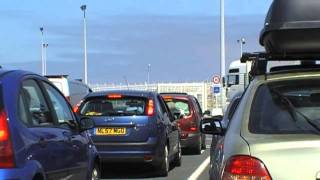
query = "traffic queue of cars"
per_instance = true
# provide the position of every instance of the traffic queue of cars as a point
(43, 137)
(273, 128)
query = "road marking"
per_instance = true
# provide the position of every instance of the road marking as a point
(200, 169)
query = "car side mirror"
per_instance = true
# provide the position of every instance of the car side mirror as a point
(86, 124)
(212, 125)
(207, 113)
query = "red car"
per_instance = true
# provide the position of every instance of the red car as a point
(187, 109)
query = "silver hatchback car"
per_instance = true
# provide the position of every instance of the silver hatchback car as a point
(275, 131)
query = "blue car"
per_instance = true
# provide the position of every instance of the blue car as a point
(40, 136)
(133, 126)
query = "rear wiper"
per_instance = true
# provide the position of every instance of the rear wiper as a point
(293, 111)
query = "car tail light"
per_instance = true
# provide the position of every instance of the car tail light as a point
(245, 167)
(76, 107)
(6, 151)
(114, 96)
(150, 109)
(193, 126)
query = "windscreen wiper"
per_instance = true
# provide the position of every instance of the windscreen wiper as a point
(293, 111)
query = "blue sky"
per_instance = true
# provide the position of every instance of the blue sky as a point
(179, 38)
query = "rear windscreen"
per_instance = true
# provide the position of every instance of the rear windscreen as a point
(286, 107)
(124, 106)
(178, 106)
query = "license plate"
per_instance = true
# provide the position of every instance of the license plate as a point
(111, 131)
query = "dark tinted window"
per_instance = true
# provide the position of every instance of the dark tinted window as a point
(233, 70)
(290, 107)
(124, 106)
(233, 80)
(233, 107)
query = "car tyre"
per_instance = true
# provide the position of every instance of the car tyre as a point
(164, 164)
(198, 147)
(96, 173)
(178, 157)
(204, 146)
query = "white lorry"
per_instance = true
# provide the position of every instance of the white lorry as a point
(237, 79)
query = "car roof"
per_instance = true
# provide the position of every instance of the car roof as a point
(289, 75)
(3, 72)
(123, 92)
(177, 95)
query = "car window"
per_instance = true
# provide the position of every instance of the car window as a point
(22, 111)
(33, 109)
(120, 106)
(233, 107)
(178, 106)
(61, 107)
(198, 107)
(165, 109)
(286, 107)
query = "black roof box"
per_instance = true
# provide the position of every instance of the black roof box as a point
(292, 27)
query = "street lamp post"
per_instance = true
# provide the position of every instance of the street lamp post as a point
(222, 40)
(148, 75)
(222, 47)
(83, 8)
(45, 47)
(242, 42)
(42, 55)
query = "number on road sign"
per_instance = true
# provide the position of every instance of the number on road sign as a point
(216, 79)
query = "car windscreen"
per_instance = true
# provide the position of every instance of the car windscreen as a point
(178, 106)
(233, 80)
(286, 107)
(124, 106)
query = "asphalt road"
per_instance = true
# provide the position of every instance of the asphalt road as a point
(193, 167)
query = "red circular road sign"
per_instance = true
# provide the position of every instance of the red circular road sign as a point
(216, 79)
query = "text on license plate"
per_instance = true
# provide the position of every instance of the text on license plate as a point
(111, 131)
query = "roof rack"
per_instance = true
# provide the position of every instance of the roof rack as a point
(279, 57)
(260, 61)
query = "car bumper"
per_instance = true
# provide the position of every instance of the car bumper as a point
(128, 152)
(23, 173)
(191, 141)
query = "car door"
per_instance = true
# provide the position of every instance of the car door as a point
(44, 142)
(172, 128)
(76, 142)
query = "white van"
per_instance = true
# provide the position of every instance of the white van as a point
(73, 90)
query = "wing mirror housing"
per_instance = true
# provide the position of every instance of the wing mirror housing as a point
(212, 125)
(86, 124)
(207, 113)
